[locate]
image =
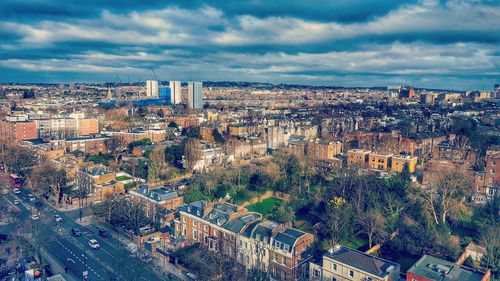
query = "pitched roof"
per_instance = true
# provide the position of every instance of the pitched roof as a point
(363, 262)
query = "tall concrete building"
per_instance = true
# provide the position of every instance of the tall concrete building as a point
(175, 92)
(151, 88)
(195, 97)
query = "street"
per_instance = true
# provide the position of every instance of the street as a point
(107, 263)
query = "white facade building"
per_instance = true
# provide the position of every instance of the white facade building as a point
(151, 88)
(195, 97)
(175, 92)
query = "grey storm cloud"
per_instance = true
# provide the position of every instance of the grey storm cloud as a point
(448, 44)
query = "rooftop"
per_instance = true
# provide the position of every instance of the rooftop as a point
(364, 262)
(441, 270)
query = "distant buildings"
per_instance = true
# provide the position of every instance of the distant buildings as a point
(175, 92)
(152, 88)
(195, 97)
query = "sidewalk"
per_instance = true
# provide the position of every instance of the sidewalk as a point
(56, 266)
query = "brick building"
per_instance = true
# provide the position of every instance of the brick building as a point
(17, 131)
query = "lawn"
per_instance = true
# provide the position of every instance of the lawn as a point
(356, 243)
(122, 178)
(266, 206)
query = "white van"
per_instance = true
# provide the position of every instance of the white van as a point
(132, 248)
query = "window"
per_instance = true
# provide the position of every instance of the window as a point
(184, 219)
(215, 233)
(283, 261)
(316, 273)
(205, 240)
(205, 227)
(334, 266)
(195, 235)
(194, 223)
(286, 247)
(275, 257)
(369, 279)
(334, 279)
(351, 273)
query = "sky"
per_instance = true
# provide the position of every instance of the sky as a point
(434, 44)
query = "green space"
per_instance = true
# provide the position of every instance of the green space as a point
(123, 178)
(266, 206)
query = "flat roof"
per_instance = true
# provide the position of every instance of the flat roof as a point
(441, 270)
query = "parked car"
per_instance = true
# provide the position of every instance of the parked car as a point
(94, 244)
(103, 232)
(57, 218)
(152, 240)
(31, 197)
(16, 190)
(76, 232)
(5, 191)
(39, 205)
(16, 202)
(34, 217)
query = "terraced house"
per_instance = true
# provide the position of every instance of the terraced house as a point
(342, 263)
(282, 251)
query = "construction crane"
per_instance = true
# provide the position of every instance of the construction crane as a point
(154, 73)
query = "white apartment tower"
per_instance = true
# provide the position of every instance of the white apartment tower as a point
(195, 97)
(175, 92)
(151, 88)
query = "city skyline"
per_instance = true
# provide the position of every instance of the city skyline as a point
(428, 44)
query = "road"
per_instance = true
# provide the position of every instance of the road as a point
(110, 262)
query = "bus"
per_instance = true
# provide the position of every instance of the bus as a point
(16, 181)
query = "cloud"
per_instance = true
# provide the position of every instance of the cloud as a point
(310, 42)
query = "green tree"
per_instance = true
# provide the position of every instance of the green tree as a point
(172, 124)
(173, 155)
(217, 136)
(144, 141)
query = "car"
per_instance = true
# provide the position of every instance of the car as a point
(57, 218)
(76, 232)
(34, 217)
(31, 197)
(16, 190)
(16, 202)
(103, 232)
(39, 205)
(94, 244)
(5, 191)
(152, 240)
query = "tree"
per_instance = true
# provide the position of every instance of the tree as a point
(19, 160)
(160, 113)
(144, 141)
(217, 136)
(284, 214)
(49, 179)
(372, 223)
(447, 194)
(490, 238)
(173, 155)
(338, 219)
(115, 146)
(191, 153)
(172, 124)
(156, 161)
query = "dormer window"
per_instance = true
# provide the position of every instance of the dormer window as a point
(286, 247)
(198, 212)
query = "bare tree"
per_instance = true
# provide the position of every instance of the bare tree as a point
(50, 179)
(447, 194)
(372, 224)
(191, 153)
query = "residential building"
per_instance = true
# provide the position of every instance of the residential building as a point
(342, 263)
(97, 183)
(195, 95)
(322, 150)
(156, 200)
(175, 92)
(152, 88)
(399, 161)
(358, 157)
(379, 161)
(256, 244)
(17, 131)
(429, 268)
(87, 145)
